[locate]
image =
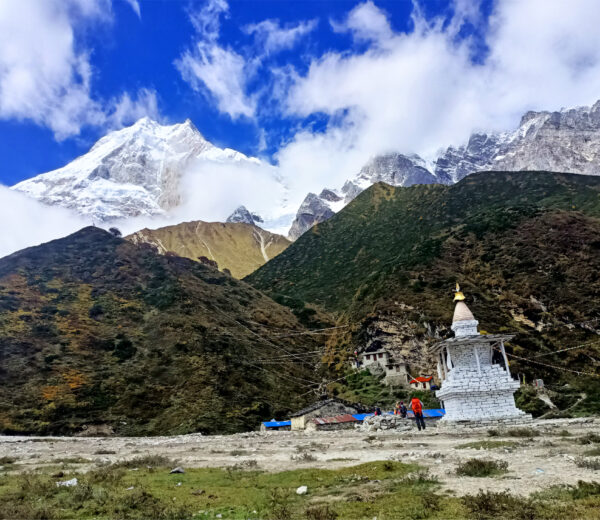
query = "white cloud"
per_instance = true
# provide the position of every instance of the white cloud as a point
(421, 91)
(134, 4)
(45, 72)
(126, 110)
(220, 72)
(25, 222)
(272, 37)
(365, 22)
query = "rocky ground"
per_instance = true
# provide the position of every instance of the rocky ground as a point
(541, 455)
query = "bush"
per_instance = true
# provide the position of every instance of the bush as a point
(321, 512)
(585, 489)
(490, 504)
(481, 468)
(593, 464)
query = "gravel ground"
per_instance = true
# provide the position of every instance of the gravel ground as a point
(534, 464)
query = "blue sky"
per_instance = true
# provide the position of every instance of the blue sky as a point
(321, 83)
(314, 88)
(128, 53)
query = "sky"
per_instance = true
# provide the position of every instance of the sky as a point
(314, 88)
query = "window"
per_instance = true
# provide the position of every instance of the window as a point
(424, 385)
(380, 355)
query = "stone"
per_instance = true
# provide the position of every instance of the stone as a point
(178, 469)
(67, 483)
(302, 490)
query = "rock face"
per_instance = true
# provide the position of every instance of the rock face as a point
(242, 215)
(394, 169)
(565, 141)
(130, 172)
(314, 209)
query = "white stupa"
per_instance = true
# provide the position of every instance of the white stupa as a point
(473, 387)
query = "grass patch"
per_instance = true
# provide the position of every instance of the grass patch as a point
(5, 461)
(487, 445)
(595, 452)
(514, 432)
(147, 461)
(590, 438)
(481, 468)
(105, 452)
(385, 489)
(593, 464)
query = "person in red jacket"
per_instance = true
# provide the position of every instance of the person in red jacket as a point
(417, 407)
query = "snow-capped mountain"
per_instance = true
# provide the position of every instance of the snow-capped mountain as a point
(242, 215)
(564, 141)
(129, 172)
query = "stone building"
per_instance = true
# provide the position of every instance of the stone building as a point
(379, 361)
(474, 387)
(324, 408)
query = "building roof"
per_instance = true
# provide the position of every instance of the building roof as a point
(421, 379)
(474, 340)
(338, 419)
(277, 424)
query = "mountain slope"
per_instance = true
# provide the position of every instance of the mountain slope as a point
(241, 248)
(129, 172)
(525, 246)
(98, 330)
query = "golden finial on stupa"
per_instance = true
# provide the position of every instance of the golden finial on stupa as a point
(458, 295)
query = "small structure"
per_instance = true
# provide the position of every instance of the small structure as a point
(377, 359)
(473, 387)
(421, 383)
(323, 408)
(275, 426)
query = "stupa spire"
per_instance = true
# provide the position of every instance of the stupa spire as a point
(463, 322)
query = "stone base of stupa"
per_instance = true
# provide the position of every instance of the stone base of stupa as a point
(513, 421)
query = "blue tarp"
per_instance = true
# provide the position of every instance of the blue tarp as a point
(432, 413)
(277, 424)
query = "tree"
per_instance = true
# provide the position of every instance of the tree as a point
(116, 232)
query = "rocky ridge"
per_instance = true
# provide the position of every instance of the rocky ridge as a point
(563, 141)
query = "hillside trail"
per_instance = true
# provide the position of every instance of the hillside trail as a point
(534, 463)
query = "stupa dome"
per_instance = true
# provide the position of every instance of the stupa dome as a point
(462, 312)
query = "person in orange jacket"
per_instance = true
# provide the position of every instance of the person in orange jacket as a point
(417, 407)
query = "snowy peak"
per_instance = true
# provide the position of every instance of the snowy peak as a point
(129, 172)
(242, 215)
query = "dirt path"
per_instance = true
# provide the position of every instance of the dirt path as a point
(533, 463)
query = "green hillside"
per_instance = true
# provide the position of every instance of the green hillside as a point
(239, 247)
(524, 246)
(96, 330)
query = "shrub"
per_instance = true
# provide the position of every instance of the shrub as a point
(593, 464)
(490, 504)
(481, 468)
(590, 438)
(585, 489)
(304, 457)
(320, 512)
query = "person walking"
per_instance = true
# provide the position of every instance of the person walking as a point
(417, 407)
